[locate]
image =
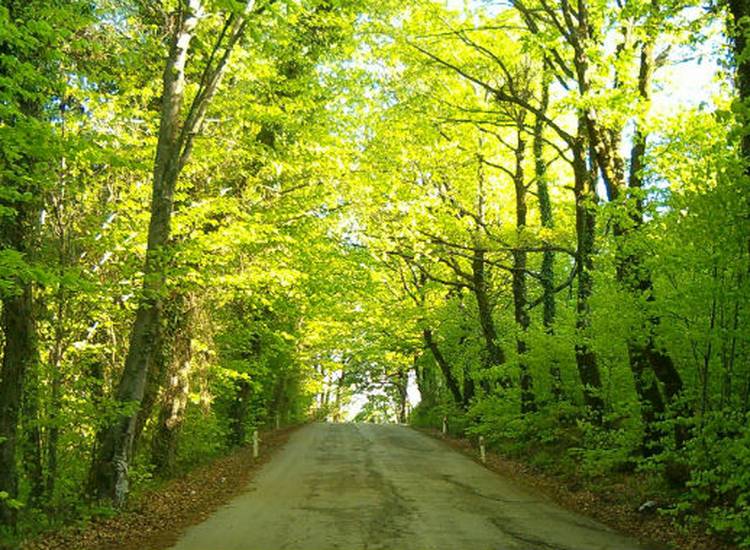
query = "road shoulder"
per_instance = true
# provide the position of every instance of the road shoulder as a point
(612, 506)
(156, 519)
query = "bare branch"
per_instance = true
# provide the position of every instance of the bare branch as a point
(499, 94)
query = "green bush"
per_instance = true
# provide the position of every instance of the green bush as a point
(719, 485)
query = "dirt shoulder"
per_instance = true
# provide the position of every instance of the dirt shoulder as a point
(155, 519)
(615, 504)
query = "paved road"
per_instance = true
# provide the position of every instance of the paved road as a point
(363, 486)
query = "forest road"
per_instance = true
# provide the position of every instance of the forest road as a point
(366, 486)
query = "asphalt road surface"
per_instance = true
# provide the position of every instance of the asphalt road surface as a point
(364, 486)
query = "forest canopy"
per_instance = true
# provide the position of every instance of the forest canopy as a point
(219, 215)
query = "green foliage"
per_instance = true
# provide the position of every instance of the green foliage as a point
(10, 502)
(717, 492)
(204, 437)
(605, 451)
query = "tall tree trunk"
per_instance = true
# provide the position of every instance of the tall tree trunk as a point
(738, 31)
(339, 394)
(177, 131)
(586, 202)
(469, 386)
(445, 368)
(53, 434)
(156, 375)
(586, 361)
(175, 397)
(520, 301)
(61, 223)
(648, 363)
(33, 450)
(605, 145)
(495, 355)
(643, 355)
(171, 327)
(109, 473)
(280, 406)
(19, 354)
(22, 174)
(547, 272)
(171, 416)
(427, 384)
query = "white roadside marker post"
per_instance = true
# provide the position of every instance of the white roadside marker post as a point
(255, 443)
(445, 425)
(482, 455)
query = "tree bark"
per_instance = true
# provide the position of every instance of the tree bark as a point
(177, 131)
(738, 30)
(155, 377)
(280, 405)
(176, 311)
(109, 474)
(53, 434)
(445, 368)
(339, 391)
(495, 354)
(648, 362)
(403, 396)
(19, 354)
(585, 203)
(643, 355)
(33, 450)
(175, 397)
(520, 301)
(547, 271)
(171, 416)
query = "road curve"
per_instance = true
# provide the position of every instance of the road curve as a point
(365, 486)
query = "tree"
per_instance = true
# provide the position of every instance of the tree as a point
(175, 144)
(29, 150)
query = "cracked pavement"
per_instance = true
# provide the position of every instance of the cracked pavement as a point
(388, 487)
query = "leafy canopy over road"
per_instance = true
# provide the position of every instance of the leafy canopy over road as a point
(218, 214)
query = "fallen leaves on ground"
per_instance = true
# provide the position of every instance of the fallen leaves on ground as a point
(615, 507)
(156, 518)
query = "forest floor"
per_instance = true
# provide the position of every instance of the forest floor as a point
(155, 519)
(614, 502)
